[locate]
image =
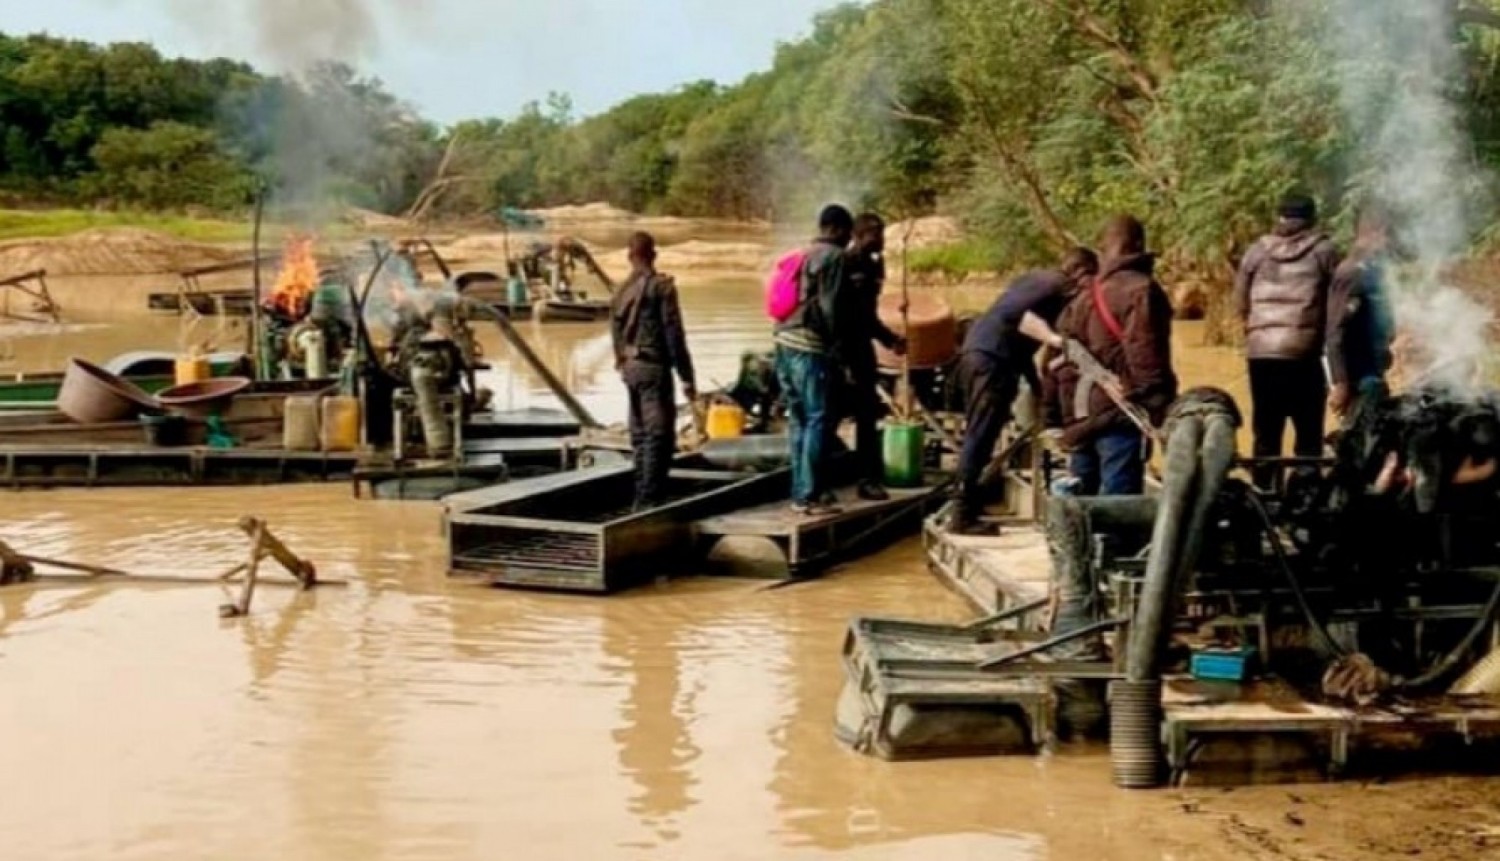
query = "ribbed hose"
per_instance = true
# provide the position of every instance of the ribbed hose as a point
(1200, 450)
(1135, 733)
(436, 429)
(1483, 679)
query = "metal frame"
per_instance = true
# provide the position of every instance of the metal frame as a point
(39, 293)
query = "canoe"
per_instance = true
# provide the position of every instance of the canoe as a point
(149, 370)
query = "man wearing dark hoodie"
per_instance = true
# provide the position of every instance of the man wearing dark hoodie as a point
(1124, 319)
(805, 341)
(1360, 323)
(1281, 294)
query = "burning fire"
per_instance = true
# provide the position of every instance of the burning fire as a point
(296, 281)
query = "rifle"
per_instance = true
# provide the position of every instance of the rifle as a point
(1092, 373)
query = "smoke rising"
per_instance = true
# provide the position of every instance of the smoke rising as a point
(292, 35)
(327, 139)
(1399, 69)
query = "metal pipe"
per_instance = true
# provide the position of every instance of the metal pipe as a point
(523, 349)
(257, 345)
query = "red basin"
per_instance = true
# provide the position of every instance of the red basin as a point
(92, 395)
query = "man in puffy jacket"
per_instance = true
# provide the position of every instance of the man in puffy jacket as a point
(805, 342)
(650, 342)
(1281, 294)
(1124, 319)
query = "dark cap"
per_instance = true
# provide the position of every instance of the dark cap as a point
(1298, 205)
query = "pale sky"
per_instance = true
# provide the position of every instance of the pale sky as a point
(457, 59)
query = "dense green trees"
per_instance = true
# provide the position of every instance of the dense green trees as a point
(121, 124)
(1032, 119)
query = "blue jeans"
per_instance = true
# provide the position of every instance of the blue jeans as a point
(1111, 464)
(805, 384)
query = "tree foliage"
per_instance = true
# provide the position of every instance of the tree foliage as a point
(1031, 119)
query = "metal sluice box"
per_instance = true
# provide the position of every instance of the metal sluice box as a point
(916, 691)
(577, 531)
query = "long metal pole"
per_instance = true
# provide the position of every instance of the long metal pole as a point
(256, 339)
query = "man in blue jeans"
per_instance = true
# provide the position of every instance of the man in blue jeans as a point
(804, 344)
(1124, 319)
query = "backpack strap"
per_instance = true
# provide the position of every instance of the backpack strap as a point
(1106, 316)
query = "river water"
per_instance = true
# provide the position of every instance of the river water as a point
(407, 717)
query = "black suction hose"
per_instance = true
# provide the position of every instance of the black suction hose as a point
(1148, 628)
(1200, 451)
(1135, 710)
(1279, 551)
(1450, 660)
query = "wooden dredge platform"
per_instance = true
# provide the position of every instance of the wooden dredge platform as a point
(1265, 732)
(993, 573)
(810, 543)
(146, 466)
(1260, 732)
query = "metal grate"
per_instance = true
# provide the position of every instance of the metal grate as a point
(560, 551)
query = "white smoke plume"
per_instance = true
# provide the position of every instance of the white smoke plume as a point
(291, 35)
(1399, 68)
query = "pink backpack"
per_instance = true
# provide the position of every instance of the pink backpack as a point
(784, 287)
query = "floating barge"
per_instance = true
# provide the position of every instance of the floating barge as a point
(149, 371)
(577, 532)
(810, 544)
(1216, 733)
(192, 297)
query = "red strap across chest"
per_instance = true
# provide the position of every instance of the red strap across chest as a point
(1106, 316)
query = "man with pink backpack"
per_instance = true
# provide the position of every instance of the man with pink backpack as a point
(805, 309)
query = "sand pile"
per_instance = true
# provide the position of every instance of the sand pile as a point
(699, 257)
(113, 251)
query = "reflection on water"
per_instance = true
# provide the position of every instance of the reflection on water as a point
(407, 717)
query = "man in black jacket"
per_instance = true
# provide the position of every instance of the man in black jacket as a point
(650, 342)
(860, 328)
(1000, 352)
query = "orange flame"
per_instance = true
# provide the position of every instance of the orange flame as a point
(296, 281)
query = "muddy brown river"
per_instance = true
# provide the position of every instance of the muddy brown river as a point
(407, 717)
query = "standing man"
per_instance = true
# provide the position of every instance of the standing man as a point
(1124, 319)
(1360, 324)
(650, 342)
(999, 352)
(1282, 297)
(859, 328)
(804, 344)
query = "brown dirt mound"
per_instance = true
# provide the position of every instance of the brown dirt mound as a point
(115, 251)
(698, 256)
